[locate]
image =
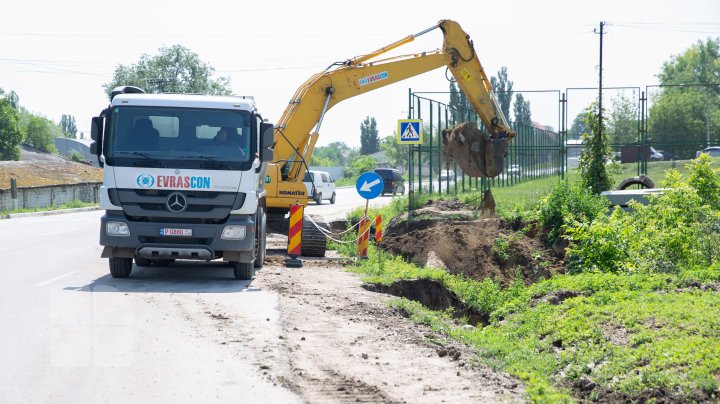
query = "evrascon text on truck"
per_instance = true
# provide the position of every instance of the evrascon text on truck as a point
(183, 178)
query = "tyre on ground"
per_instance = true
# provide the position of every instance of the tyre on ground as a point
(120, 267)
(243, 271)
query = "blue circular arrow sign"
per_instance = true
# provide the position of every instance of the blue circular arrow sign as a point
(369, 185)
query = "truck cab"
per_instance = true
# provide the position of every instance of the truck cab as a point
(183, 179)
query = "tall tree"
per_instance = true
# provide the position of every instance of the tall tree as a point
(460, 108)
(593, 170)
(10, 135)
(68, 126)
(689, 114)
(623, 122)
(521, 110)
(40, 134)
(503, 90)
(174, 70)
(396, 153)
(578, 127)
(369, 141)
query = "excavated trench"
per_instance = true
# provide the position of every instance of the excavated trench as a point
(433, 295)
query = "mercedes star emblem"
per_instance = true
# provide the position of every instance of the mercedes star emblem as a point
(176, 202)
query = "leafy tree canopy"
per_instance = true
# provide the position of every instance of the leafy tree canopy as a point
(369, 140)
(688, 114)
(334, 154)
(174, 70)
(503, 89)
(522, 111)
(10, 135)
(68, 126)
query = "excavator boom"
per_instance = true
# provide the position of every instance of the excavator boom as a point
(297, 130)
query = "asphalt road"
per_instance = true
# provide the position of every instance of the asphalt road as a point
(71, 333)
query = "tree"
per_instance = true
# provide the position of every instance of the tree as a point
(503, 90)
(334, 154)
(394, 151)
(593, 171)
(578, 127)
(689, 114)
(10, 135)
(40, 134)
(369, 141)
(460, 107)
(522, 111)
(623, 123)
(176, 70)
(360, 165)
(67, 124)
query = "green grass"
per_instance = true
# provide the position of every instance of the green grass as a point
(631, 334)
(70, 205)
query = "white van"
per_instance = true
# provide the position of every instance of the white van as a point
(324, 188)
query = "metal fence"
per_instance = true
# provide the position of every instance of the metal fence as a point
(647, 131)
(535, 152)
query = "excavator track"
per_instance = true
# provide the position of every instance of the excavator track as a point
(313, 242)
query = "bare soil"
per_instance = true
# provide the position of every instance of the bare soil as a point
(51, 171)
(447, 234)
(345, 344)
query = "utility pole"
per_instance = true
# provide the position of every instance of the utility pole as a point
(600, 32)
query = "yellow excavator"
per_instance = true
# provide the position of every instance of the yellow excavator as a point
(298, 129)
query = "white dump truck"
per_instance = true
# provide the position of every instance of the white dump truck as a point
(184, 178)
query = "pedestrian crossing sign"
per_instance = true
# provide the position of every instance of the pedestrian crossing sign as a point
(410, 131)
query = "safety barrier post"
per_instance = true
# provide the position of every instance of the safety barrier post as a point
(378, 228)
(295, 236)
(363, 235)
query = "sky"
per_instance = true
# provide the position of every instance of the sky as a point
(57, 55)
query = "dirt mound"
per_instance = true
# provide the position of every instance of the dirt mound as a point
(476, 248)
(41, 173)
(476, 152)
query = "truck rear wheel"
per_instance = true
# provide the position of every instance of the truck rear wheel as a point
(120, 267)
(143, 262)
(243, 271)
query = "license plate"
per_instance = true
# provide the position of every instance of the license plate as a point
(176, 232)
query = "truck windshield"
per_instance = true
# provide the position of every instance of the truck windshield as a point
(192, 137)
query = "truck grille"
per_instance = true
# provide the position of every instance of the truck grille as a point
(202, 206)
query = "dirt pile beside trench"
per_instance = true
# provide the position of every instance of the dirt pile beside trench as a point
(446, 234)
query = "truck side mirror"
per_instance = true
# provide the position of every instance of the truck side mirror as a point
(267, 141)
(96, 128)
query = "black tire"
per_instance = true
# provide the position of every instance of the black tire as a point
(162, 262)
(120, 267)
(243, 271)
(260, 241)
(332, 199)
(143, 262)
(318, 198)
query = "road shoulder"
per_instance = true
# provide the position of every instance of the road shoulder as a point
(345, 344)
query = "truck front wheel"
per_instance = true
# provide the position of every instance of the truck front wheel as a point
(243, 270)
(120, 267)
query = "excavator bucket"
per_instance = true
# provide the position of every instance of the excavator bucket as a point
(478, 153)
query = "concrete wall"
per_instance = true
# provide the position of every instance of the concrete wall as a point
(66, 146)
(41, 197)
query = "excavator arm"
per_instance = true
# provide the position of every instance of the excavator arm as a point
(297, 130)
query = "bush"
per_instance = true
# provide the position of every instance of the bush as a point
(568, 203)
(76, 156)
(676, 231)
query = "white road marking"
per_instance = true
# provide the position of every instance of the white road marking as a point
(51, 280)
